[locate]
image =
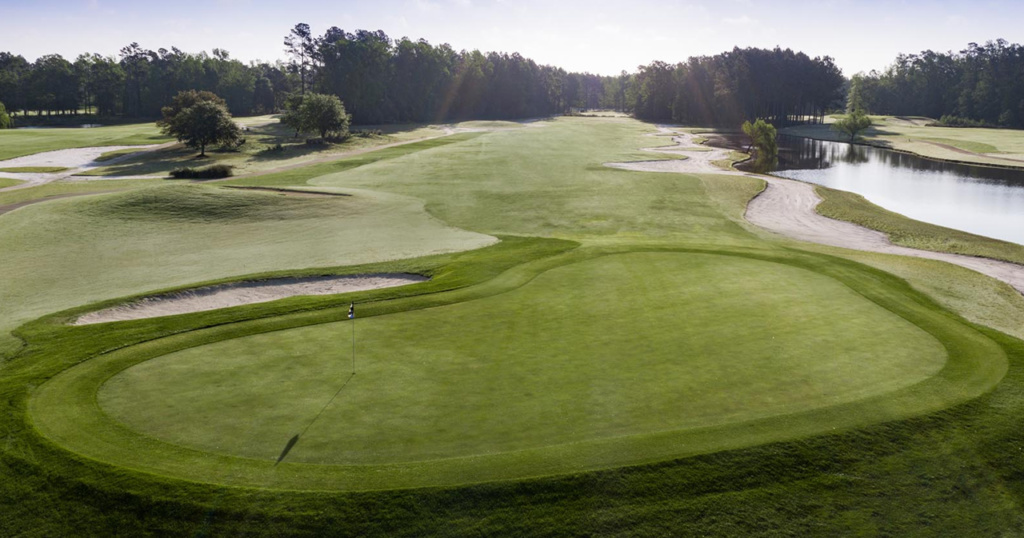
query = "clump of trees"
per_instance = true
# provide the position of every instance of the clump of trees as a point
(779, 85)
(852, 124)
(982, 84)
(763, 139)
(318, 113)
(199, 119)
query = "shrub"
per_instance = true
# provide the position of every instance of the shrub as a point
(949, 120)
(216, 171)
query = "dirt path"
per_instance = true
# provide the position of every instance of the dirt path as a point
(244, 293)
(787, 207)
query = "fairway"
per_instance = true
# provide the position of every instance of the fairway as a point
(621, 345)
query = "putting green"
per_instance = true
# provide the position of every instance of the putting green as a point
(611, 360)
(620, 345)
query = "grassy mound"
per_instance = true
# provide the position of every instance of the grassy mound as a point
(205, 203)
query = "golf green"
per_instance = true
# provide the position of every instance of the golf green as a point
(621, 345)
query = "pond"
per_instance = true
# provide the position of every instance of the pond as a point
(982, 200)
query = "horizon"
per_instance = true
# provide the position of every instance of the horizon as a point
(602, 37)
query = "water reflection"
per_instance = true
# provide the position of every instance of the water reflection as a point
(982, 200)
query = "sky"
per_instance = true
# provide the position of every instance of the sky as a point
(597, 36)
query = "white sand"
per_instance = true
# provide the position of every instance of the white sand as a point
(787, 207)
(699, 160)
(76, 160)
(243, 293)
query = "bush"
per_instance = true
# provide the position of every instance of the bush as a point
(367, 133)
(216, 171)
(949, 120)
(276, 148)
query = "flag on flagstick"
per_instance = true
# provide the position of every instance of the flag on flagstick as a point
(351, 311)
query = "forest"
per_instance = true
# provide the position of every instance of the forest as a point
(385, 80)
(980, 85)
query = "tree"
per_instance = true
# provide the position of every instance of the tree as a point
(317, 112)
(199, 119)
(852, 124)
(762, 137)
(300, 47)
(5, 121)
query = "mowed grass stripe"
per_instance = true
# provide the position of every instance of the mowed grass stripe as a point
(65, 410)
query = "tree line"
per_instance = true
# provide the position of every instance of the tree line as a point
(778, 85)
(982, 84)
(138, 83)
(381, 80)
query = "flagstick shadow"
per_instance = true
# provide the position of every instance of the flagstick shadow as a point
(291, 442)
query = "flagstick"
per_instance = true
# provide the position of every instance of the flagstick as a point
(352, 318)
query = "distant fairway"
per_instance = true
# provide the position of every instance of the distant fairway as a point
(621, 345)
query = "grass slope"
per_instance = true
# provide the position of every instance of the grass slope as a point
(842, 205)
(33, 169)
(86, 249)
(8, 182)
(268, 145)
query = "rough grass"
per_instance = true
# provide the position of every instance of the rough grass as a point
(259, 153)
(111, 155)
(19, 142)
(71, 187)
(8, 182)
(34, 169)
(966, 145)
(842, 205)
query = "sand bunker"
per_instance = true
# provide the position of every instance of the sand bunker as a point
(699, 159)
(243, 293)
(76, 161)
